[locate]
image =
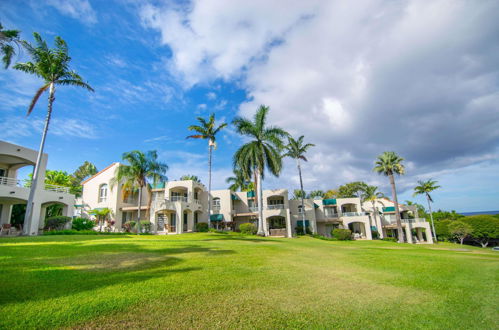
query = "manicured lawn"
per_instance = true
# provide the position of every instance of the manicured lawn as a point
(231, 281)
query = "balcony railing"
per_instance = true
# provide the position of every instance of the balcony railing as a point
(13, 182)
(415, 220)
(275, 207)
(330, 214)
(253, 209)
(59, 189)
(179, 199)
(352, 214)
(215, 207)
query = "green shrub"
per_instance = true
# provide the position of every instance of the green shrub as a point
(342, 234)
(389, 239)
(56, 223)
(484, 228)
(79, 232)
(145, 226)
(375, 234)
(299, 230)
(442, 229)
(129, 226)
(202, 227)
(82, 224)
(247, 228)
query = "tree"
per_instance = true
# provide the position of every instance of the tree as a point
(298, 194)
(421, 210)
(101, 214)
(331, 193)
(388, 164)
(460, 230)
(352, 189)
(425, 188)
(207, 130)
(296, 149)
(8, 39)
(83, 172)
(442, 229)
(239, 181)
(371, 194)
(134, 175)
(485, 228)
(316, 194)
(190, 177)
(52, 66)
(262, 152)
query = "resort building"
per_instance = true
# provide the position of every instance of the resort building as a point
(13, 191)
(176, 207)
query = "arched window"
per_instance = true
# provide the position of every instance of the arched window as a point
(102, 193)
(300, 209)
(216, 202)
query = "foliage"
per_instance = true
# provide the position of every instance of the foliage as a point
(83, 172)
(352, 189)
(460, 230)
(389, 239)
(425, 188)
(129, 226)
(202, 227)
(421, 210)
(56, 223)
(8, 39)
(79, 232)
(299, 229)
(485, 228)
(297, 194)
(445, 215)
(389, 163)
(316, 194)
(332, 193)
(18, 212)
(146, 226)
(247, 228)
(442, 230)
(375, 234)
(296, 149)
(82, 224)
(207, 129)
(342, 234)
(239, 181)
(190, 177)
(371, 194)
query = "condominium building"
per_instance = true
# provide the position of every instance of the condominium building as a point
(13, 191)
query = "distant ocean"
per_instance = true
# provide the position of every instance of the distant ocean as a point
(477, 213)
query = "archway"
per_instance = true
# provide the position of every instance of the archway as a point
(277, 226)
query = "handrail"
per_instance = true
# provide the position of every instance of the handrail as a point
(352, 214)
(275, 207)
(12, 182)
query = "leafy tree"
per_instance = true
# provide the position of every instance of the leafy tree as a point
(83, 172)
(52, 66)
(388, 164)
(446, 215)
(296, 149)
(460, 230)
(299, 194)
(485, 228)
(352, 189)
(101, 214)
(371, 194)
(8, 39)
(332, 193)
(239, 181)
(316, 194)
(442, 229)
(138, 169)
(262, 152)
(190, 177)
(207, 130)
(425, 188)
(421, 210)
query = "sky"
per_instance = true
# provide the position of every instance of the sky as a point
(416, 77)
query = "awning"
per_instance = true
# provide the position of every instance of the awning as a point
(389, 209)
(373, 228)
(159, 185)
(235, 197)
(250, 194)
(331, 201)
(299, 223)
(316, 206)
(216, 217)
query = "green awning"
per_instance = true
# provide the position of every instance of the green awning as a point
(216, 217)
(235, 197)
(373, 228)
(250, 193)
(79, 205)
(159, 185)
(299, 223)
(316, 206)
(389, 209)
(331, 201)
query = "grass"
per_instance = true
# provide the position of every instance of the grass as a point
(231, 281)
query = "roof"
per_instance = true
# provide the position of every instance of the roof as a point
(96, 174)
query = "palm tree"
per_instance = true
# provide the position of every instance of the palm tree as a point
(190, 177)
(298, 194)
(425, 188)
(263, 151)
(239, 181)
(296, 149)
(8, 38)
(101, 215)
(317, 193)
(371, 194)
(388, 164)
(52, 65)
(207, 131)
(133, 176)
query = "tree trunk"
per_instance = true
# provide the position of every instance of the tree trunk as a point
(375, 216)
(432, 223)
(36, 171)
(302, 198)
(138, 210)
(397, 210)
(100, 223)
(462, 240)
(210, 148)
(261, 231)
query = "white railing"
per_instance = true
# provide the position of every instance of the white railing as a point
(275, 207)
(215, 207)
(163, 204)
(415, 220)
(196, 201)
(59, 189)
(178, 199)
(330, 214)
(253, 209)
(12, 182)
(352, 214)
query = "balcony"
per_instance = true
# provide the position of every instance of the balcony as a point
(13, 182)
(275, 207)
(253, 209)
(353, 214)
(330, 214)
(179, 199)
(215, 208)
(415, 220)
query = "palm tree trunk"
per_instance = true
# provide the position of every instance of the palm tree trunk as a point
(432, 223)
(100, 223)
(375, 216)
(397, 210)
(138, 210)
(261, 231)
(210, 147)
(36, 172)
(302, 197)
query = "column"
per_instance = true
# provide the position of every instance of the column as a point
(367, 227)
(180, 217)
(419, 232)
(408, 233)
(190, 221)
(43, 215)
(288, 224)
(35, 219)
(379, 226)
(5, 213)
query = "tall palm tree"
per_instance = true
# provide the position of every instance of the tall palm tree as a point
(134, 175)
(388, 164)
(207, 130)
(425, 188)
(239, 181)
(371, 194)
(296, 149)
(8, 38)
(52, 66)
(263, 151)
(192, 177)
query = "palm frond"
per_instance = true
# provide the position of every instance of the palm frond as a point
(38, 93)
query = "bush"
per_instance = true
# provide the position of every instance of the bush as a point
(389, 239)
(56, 223)
(375, 234)
(82, 224)
(247, 228)
(342, 234)
(79, 232)
(129, 226)
(145, 226)
(299, 230)
(442, 229)
(485, 228)
(202, 227)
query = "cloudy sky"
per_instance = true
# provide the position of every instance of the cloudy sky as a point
(419, 78)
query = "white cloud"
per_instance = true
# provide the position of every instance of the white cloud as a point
(77, 9)
(211, 96)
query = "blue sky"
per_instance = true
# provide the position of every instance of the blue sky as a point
(417, 78)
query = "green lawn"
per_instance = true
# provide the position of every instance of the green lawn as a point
(232, 281)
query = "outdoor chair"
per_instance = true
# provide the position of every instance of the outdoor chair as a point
(5, 229)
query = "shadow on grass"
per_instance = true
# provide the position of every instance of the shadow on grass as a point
(31, 273)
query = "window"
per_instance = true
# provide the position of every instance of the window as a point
(216, 202)
(3, 172)
(300, 209)
(102, 193)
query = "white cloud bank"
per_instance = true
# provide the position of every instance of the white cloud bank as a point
(356, 78)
